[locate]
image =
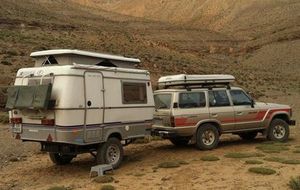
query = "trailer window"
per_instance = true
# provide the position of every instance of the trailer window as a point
(134, 93)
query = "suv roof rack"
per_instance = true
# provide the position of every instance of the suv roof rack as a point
(195, 81)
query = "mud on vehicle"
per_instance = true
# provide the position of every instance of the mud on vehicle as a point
(203, 107)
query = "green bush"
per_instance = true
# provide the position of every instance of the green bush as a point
(262, 171)
(243, 155)
(253, 162)
(209, 158)
(4, 118)
(294, 183)
(170, 164)
(273, 147)
(58, 188)
(107, 187)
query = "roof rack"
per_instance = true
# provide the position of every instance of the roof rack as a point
(195, 81)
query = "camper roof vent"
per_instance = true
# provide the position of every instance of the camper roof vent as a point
(194, 80)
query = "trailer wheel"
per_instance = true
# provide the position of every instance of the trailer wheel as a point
(60, 159)
(110, 152)
(207, 137)
(278, 130)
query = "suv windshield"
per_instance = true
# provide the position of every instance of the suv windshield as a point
(162, 101)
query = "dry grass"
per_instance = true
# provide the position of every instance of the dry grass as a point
(58, 188)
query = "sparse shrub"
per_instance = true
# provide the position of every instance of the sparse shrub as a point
(4, 62)
(169, 164)
(107, 187)
(253, 162)
(243, 155)
(291, 162)
(274, 159)
(262, 171)
(294, 183)
(296, 151)
(138, 174)
(4, 118)
(104, 179)
(12, 52)
(182, 162)
(58, 188)
(210, 158)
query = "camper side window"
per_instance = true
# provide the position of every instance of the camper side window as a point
(134, 93)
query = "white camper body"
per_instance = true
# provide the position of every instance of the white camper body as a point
(90, 104)
(89, 107)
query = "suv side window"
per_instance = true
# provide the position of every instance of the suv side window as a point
(239, 98)
(218, 98)
(192, 100)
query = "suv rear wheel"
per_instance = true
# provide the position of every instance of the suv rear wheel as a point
(180, 141)
(110, 152)
(278, 130)
(248, 135)
(207, 137)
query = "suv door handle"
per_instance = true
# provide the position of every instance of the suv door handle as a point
(214, 115)
(239, 113)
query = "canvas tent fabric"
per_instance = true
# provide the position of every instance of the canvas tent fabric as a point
(29, 97)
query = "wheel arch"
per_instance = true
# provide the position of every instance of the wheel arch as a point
(212, 122)
(279, 115)
(115, 134)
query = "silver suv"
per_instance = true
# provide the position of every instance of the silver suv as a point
(205, 107)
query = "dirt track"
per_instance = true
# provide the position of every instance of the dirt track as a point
(22, 166)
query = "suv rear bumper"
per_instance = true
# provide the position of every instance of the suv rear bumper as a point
(292, 122)
(163, 133)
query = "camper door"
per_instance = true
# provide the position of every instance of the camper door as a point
(94, 98)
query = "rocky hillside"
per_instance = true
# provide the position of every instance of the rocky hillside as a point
(257, 41)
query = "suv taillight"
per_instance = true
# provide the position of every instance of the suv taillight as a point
(16, 120)
(48, 122)
(172, 121)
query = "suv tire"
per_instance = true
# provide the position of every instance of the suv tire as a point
(110, 152)
(248, 135)
(278, 130)
(180, 141)
(207, 137)
(61, 159)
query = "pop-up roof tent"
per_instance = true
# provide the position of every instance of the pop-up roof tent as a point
(70, 56)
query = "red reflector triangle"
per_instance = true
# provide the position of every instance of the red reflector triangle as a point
(49, 138)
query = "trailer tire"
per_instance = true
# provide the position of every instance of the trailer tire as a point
(278, 130)
(60, 159)
(110, 152)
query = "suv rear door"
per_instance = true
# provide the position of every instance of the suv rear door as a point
(221, 109)
(163, 104)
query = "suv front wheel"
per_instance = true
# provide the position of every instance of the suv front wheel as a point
(207, 137)
(278, 130)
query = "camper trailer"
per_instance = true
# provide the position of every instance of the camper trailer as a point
(76, 102)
